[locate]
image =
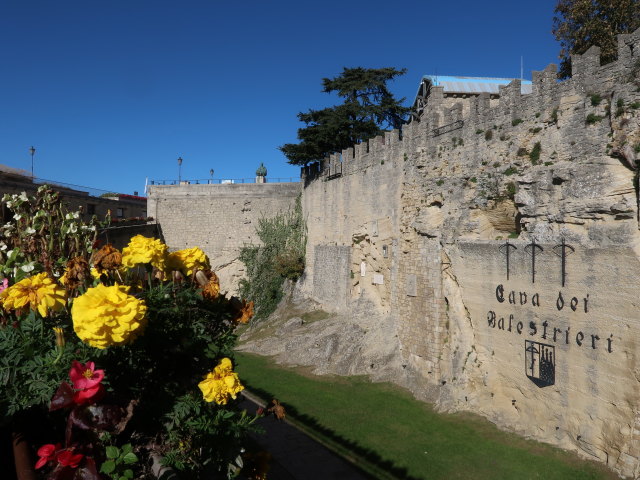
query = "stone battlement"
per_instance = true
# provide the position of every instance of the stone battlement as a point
(589, 77)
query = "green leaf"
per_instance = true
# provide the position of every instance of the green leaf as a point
(130, 458)
(128, 473)
(127, 448)
(113, 452)
(108, 467)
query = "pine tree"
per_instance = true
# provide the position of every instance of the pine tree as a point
(367, 110)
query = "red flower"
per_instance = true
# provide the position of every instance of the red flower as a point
(88, 395)
(47, 453)
(66, 458)
(85, 376)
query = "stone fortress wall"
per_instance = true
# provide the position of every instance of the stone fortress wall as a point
(419, 224)
(487, 255)
(219, 218)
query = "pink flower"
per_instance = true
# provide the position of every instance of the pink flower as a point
(88, 395)
(66, 458)
(47, 453)
(85, 376)
(4, 284)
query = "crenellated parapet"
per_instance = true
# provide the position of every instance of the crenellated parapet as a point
(479, 112)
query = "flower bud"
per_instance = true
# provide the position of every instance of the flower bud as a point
(201, 278)
(60, 342)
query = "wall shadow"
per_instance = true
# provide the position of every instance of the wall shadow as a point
(354, 452)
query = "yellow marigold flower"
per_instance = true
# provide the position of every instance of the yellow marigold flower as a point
(94, 274)
(242, 310)
(106, 316)
(221, 384)
(209, 284)
(188, 260)
(76, 273)
(107, 258)
(143, 250)
(39, 292)
(224, 367)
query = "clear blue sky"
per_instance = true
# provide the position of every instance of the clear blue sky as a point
(110, 93)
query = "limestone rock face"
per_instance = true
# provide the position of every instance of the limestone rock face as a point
(230, 273)
(488, 258)
(331, 343)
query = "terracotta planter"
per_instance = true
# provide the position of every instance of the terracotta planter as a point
(22, 456)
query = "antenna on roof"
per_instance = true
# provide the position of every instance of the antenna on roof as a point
(521, 68)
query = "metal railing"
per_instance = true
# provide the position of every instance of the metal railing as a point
(448, 128)
(222, 181)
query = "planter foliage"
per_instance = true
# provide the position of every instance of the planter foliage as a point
(111, 358)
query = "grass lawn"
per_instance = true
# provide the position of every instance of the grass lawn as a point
(391, 435)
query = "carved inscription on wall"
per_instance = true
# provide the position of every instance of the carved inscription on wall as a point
(541, 335)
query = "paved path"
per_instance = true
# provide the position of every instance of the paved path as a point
(296, 456)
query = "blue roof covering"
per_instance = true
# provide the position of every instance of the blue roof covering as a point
(474, 85)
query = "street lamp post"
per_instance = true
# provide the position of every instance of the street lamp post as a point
(211, 174)
(179, 170)
(32, 151)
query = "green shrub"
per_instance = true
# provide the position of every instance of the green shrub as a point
(534, 156)
(554, 115)
(510, 171)
(522, 152)
(595, 99)
(635, 105)
(593, 118)
(479, 131)
(473, 180)
(516, 121)
(280, 257)
(488, 135)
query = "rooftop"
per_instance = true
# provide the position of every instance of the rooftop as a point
(474, 85)
(456, 85)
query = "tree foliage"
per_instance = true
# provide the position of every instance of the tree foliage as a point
(368, 108)
(579, 24)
